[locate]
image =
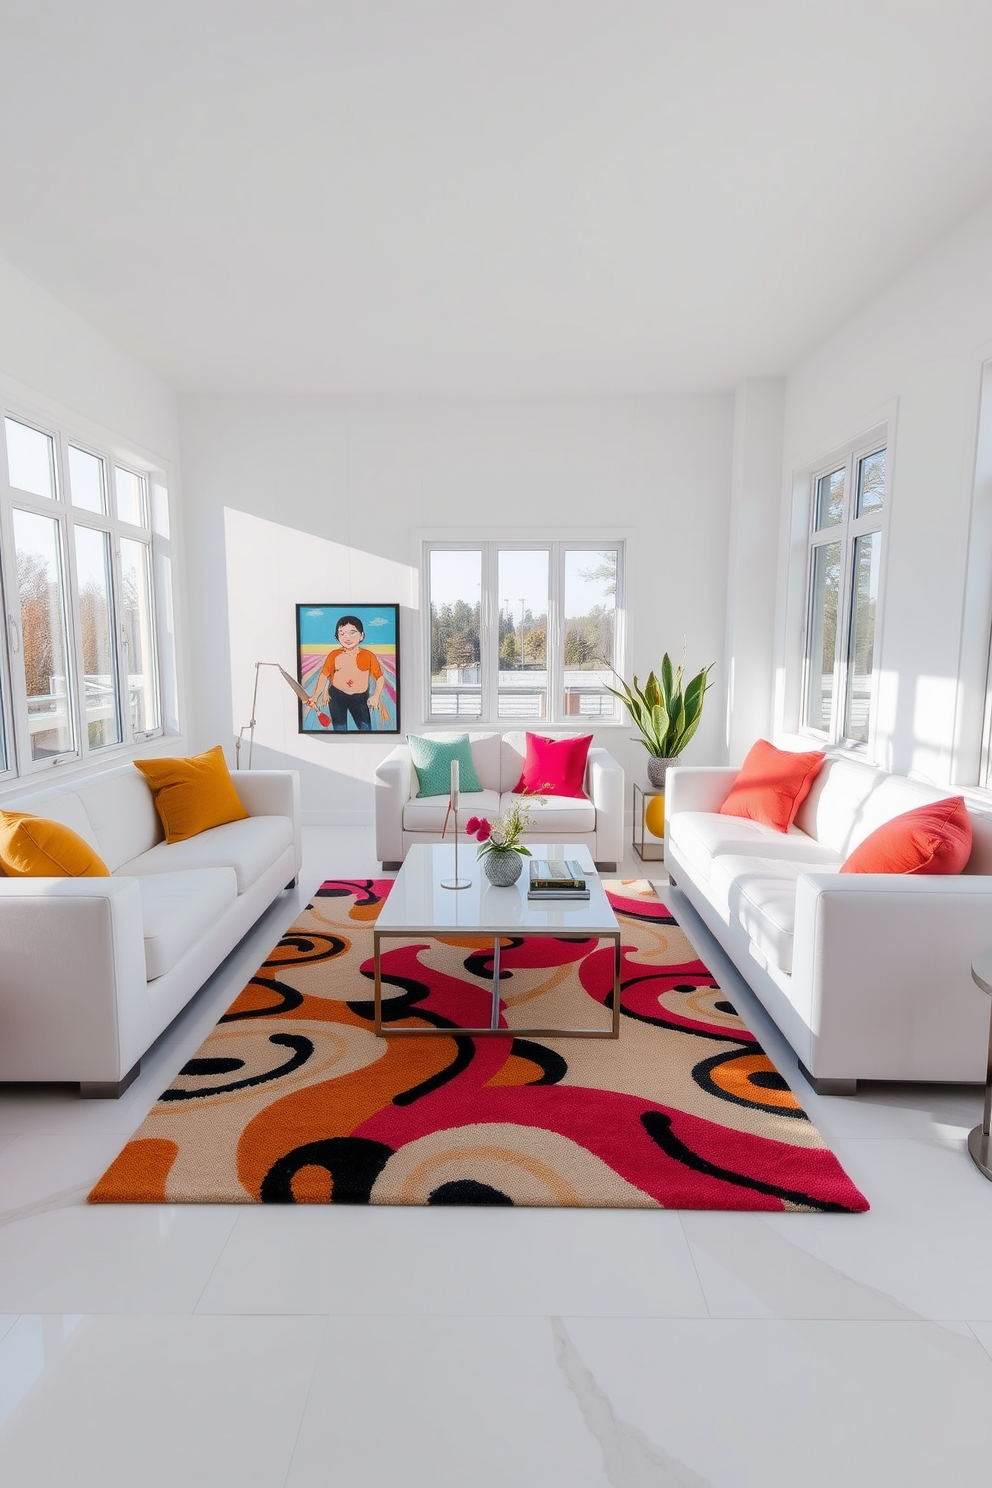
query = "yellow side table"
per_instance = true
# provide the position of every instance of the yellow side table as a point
(648, 803)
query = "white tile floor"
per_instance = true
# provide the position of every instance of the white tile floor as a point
(362, 1347)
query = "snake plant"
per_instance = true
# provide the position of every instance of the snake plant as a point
(666, 712)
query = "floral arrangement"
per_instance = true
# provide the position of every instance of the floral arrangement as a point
(503, 833)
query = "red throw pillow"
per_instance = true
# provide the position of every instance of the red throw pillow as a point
(935, 838)
(772, 785)
(554, 767)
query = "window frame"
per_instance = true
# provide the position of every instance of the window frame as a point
(489, 608)
(16, 761)
(846, 532)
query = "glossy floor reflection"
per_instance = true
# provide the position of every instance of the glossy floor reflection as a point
(215, 1345)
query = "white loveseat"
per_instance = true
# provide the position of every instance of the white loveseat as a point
(93, 969)
(867, 975)
(595, 819)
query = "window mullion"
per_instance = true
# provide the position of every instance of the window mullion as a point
(74, 647)
(555, 665)
(842, 671)
(489, 631)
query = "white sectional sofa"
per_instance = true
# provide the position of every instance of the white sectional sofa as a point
(867, 975)
(93, 969)
(596, 819)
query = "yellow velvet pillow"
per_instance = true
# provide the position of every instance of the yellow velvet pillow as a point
(34, 847)
(192, 795)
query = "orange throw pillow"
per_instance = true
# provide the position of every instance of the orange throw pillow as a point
(34, 847)
(772, 785)
(192, 795)
(935, 838)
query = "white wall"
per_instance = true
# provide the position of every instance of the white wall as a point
(50, 352)
(746, 687)
(302, 500)
(915, 354)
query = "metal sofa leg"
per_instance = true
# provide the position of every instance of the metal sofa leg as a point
(108, 1089)
(828, 1087)
(293, 882)
(391, 867)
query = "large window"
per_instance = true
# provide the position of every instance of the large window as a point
(526, 631)
(78, 543)
(847, 502)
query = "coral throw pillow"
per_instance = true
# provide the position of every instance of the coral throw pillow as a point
(935, 838)
(772, 785)
(192, 795)
(34, 847)
(554, 767)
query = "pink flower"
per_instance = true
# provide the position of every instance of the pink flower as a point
(472, 825)
(484, 830)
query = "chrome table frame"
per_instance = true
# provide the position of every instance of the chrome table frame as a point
(980, 1136)
(599, 930)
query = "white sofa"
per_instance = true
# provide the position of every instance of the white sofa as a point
(867, 975)
(595, 819)
(93, 969)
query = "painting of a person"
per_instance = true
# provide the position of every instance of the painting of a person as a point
(344, 683)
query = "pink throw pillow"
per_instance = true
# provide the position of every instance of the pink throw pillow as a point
(935, 838)
(554, 767)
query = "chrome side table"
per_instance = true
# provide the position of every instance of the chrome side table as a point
(650, 849)
(978, 1140)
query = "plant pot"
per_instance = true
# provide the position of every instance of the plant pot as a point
(502, 868)
(658, 769)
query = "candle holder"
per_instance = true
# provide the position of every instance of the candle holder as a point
(456, 882)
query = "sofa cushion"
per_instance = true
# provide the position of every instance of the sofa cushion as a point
(432, 760)
(760, 893)
(428, 815)
(121, 811)
(36, 847)
(485, 757)
(178, 908)
(554, 767)
(772, 784)
(67, 807)
(934, 838)
(849, 799)
(556, 814)
(192, 795)
(250, 847)
(702, 835)
(513, 756)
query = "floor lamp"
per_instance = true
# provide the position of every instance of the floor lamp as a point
(249, 727)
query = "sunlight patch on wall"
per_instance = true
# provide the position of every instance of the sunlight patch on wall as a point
(270, 569)
(933, 707)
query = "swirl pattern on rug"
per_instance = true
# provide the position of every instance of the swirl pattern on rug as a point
(293, 1099)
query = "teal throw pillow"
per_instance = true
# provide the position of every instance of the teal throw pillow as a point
(432, 762)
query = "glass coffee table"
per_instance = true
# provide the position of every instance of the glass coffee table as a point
(418, 905)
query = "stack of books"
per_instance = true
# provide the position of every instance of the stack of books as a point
(556, 880)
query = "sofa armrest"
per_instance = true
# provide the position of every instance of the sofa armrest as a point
(885, 959)
(697, 787)
(73, 996)
(604, 787)
(272, 793)
(393, 788)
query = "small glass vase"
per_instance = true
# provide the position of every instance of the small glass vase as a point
(502, 867)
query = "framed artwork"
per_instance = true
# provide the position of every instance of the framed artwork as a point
(348, 668)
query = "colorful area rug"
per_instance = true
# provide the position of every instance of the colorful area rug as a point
(293, 1099)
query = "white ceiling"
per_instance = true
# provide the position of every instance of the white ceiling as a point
(515, 196)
